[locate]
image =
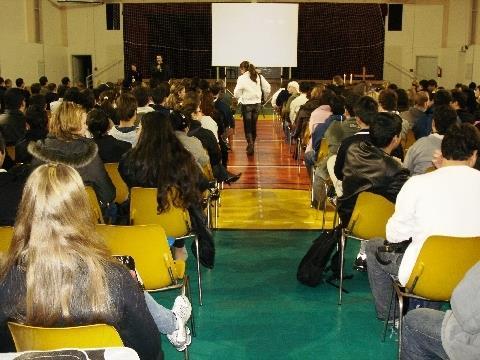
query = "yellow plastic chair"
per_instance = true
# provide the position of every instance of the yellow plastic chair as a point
(11, 151)
(440, 266)
(176, 221)
(369, 220)
(27, 338)
(97, 212)
(6, 234)
(120, 186)
(148, 246)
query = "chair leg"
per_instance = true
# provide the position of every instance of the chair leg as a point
(342, 260)
(400, 324)
(385, 325)
(199, 273)
(189, 296)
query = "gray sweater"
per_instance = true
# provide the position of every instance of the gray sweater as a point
(420, 154)
(461, 325)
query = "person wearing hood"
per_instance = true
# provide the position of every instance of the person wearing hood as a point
(66, 144)
(127, 112)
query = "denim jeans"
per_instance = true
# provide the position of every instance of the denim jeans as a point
(422, 335)
(250, 116)
(379, 276)
(164, 318)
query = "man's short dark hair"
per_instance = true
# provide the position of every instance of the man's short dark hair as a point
(305, 86)
(460, 142)
(160, 93)
(43, 80)
(3, 145)
(126, 106)
(424, 84)
(19, 82)
(337, 105)
(35, 88)
(365, 108)
(2, 80)
(432, 82)
(393, 87)
(384, 127)
(442, 97)
(444, 117)
(350, 101)
(61, 90)
(141, 94)
(326, 97)
(13, 98)
(217, 87)
(37, 99)
(388, 100)
(98, 122)
(65, 80)
(74, 95)
(460, 98)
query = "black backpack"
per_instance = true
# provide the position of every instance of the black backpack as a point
(314, 264)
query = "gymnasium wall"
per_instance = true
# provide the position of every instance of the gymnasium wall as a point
(430, 28)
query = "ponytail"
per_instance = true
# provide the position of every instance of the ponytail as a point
(251, 69)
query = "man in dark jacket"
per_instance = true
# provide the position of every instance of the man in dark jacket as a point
(13, 122)
(369, 166)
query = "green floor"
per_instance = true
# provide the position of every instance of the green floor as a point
(254, 308)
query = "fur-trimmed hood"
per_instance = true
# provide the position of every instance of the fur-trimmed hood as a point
(76, 153)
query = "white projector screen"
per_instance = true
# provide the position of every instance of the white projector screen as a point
(264, 34)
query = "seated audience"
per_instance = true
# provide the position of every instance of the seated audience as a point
(159, 97)
(421, 104)
(304, 112)
(56, 103)
(388, 102)
(127, 114)
(455, 334)
(177, 94)
(459, 104)
(3, 88)
(420, 154)
(426, 205)
(143, 100)
(37, 119)
(12, 121)
(423, 125)
(110, 149)
(66, 144)
(320, 114)
(58, 272)
(305, 89)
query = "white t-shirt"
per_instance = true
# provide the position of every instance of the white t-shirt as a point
(209, 124)
(443, 202)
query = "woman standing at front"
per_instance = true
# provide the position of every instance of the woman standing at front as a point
(250, 88)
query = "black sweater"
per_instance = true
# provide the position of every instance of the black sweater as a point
(132, 318)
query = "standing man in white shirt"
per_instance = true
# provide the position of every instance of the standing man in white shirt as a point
(250, 88)
(443, 202)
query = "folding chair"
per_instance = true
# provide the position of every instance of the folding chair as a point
(369, 219)
(120, 186)
(97, 211)
(175, 221)
(440, 266)
(6, 234)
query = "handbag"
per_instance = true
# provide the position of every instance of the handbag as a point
(391, 248)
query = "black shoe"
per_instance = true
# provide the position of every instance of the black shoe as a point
(250, 149)
(232, 178)
(360, 264)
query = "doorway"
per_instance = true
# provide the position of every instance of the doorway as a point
(427, 67)
(81, 68)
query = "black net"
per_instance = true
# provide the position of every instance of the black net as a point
(332, 39)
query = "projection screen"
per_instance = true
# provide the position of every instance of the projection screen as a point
(264, 34)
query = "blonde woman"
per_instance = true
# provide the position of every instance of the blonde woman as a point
(177, 95)
(58, 272)
(66, 144)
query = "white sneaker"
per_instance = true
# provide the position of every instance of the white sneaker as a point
(182, 309)
(180, 338)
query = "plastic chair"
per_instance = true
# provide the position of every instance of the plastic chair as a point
(148, 246)
(97, 212)
(369, 220)
(11, 151)
(6, 234)
(176, 221)
(440, 266)
(120, 186)
(81, 337)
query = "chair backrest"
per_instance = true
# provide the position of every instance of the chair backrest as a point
(11, 151)
(323, 151)
(441, 265)
(97, 212)
(6, 234)
(120, 186)
(148, 246)
(143, 211)
(370, 216)
(409, 140)
(82, 337)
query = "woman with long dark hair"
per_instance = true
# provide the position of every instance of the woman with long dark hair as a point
(250, 90)
(159, 160)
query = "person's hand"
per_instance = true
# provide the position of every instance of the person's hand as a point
(437, 159)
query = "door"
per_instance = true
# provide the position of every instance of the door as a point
(427, 67)
(81, 68)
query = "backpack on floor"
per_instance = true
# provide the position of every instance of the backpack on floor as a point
(316, 261)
